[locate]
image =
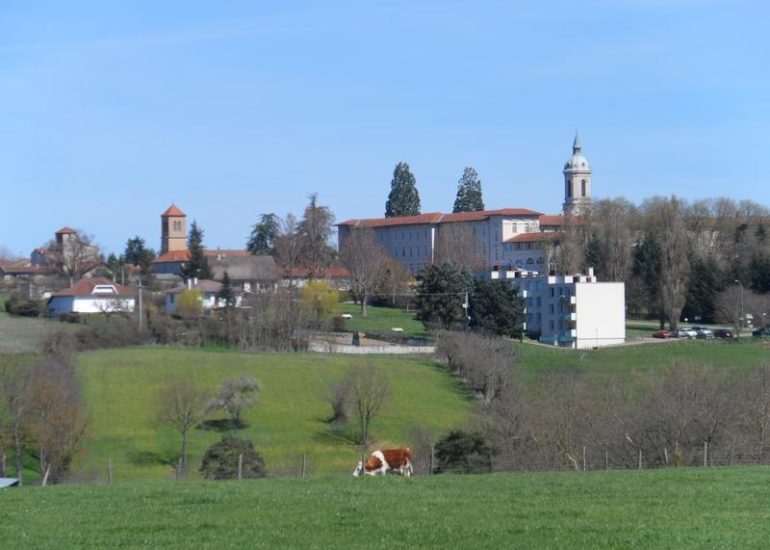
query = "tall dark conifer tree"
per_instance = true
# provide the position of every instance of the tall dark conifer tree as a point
(197, 266)
(403, 200)
(469, 192)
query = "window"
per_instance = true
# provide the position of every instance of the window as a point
(583, 188)
(553, 291)
(569, 190)
(550, 308)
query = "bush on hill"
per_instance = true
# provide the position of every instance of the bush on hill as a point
(16, 305)
(463, 452)
(221, 460)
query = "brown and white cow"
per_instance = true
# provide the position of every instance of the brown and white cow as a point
(380, 462)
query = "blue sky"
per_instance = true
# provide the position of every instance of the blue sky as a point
(111, 111)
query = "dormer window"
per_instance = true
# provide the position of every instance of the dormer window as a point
(105, 289)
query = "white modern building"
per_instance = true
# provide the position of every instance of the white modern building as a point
(575, 311)
(95, 295)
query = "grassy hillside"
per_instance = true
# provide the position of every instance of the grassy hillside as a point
(718, 353)
(120, 389)
(684, 508)
(24, 334)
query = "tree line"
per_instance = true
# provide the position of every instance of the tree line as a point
(679, 415)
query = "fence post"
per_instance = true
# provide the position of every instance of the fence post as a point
(240, 466)
(640, 459)
(665, 455)
(584, 458)
(109, 470)
(430, 461)
(606, 460)
(2, 466)
(304, 465)
(705, 454)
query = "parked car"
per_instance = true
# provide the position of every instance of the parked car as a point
(661, 334)
(703, 333)
(760, 332)
(724, 333)
(684, 332)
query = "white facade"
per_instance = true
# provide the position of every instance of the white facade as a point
(90, 304)
(573, 311)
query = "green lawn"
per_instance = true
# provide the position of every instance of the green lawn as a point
(717, 353)
(382, 319)
(24, 334)
(120, 389)
(684, 508)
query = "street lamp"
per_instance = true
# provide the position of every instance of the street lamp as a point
(740, 283)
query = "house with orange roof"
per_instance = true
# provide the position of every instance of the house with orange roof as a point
(94, 295)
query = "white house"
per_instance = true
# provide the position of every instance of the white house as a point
(573, 311)
(208, 290)
(94, 295)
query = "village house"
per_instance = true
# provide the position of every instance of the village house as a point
(92, 295)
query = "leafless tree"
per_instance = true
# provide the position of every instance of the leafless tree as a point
(367, 263)
(315, 229)
(369, 390)
(17, 398)
(73, 254)
(613, 226)
(181, 405)
(288, 246)
(569, 252)
(458, 246)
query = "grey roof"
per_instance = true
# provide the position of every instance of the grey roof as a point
(204, 285)
(245, 268)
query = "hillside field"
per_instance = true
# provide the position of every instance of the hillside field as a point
(673, 508)
(120, 389)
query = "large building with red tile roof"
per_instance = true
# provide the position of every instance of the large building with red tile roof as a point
(516, 237)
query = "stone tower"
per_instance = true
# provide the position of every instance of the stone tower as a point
(577, 182)
(173, 233)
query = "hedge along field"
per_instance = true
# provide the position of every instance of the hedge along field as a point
(120, 391)
(672, 508)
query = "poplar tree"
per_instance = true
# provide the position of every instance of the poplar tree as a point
(469, 192)
(403, 200)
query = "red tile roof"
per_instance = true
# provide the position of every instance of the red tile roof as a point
(85, 287)
(558, 220)
(534, 237)
(172, 256)
(173, 211)
(438, 217)
(65, 231)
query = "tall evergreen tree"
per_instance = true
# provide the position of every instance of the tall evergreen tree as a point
(441, 293)
(403, 200)
(263, 234)
(226, 292)
(138, 254)
(496, 308)
(197, 266)
(469, 192)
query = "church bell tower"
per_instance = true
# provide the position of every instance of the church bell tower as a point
(173, 234)
(577, 182)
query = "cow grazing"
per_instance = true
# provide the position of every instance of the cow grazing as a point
(380, 462)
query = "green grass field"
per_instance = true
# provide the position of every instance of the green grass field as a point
(382, 319)
(717, 353)
(120, 389)
(24, 334)
(675, 508)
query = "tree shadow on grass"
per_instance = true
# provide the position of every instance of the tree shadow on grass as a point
(222, 425)
(151, 458)
(341, 433)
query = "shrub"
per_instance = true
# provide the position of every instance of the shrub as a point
(16, 305)
(463, 453)
(221, 460)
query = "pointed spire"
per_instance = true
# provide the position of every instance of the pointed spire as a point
(576, 143)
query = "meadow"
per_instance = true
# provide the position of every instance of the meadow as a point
(382, 320)
(120, 390)
(672, 508)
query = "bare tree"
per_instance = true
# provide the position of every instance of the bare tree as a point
(16, 394)
(569, 252)
(457, 245)
(369, 390)
(315, 229)
(612, 224)
(288, 246)
(181, 405)
(367, 263)
(72, 253)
